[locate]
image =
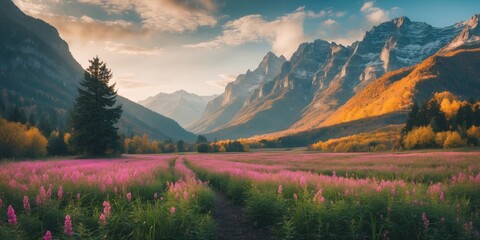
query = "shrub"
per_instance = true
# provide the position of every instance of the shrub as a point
(421, 137)
(12, 139)
(440, 137)
(454, 140)
(18, 141)
(204, 148)
(36, 143)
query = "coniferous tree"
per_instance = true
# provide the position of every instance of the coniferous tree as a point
(436, 117)
(412, 117)
(201, 139)
(31, 119)
(95, 114)
(180, 146)
(17, 115)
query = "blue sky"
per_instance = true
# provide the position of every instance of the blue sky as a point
(157, 46)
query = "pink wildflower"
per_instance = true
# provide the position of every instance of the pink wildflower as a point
(49, 191)
(106, 208)
(295, 196)
(67, 228)
(425, 220)
(303, 181)
(172, 210)
(280, 189)
(318, 197)
(103, 219)
(78, 196)
(442, 196)
(129, 196)
(26, 204)
(48, 235)
(185, 195)
(42, 196)
(12, 218)
(60, 192)
(468, 226)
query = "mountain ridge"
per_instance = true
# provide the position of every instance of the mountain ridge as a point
(39, 74)
(314, 84)
(182, 106)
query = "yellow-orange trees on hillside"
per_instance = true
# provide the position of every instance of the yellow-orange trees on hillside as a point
(420, 137)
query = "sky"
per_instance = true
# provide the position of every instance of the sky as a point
(155, 46)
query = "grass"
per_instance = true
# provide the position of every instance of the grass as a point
(297, 195)
(374, 196)
(151, 197)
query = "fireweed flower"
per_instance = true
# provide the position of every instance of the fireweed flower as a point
(280, 189)
(318, 197)
(12, 218)
(60, 192)
(442, 196)
(48, 236)
(106, 208)
(129, 196)
(425, 220)
(172, 210)
(185, 195)
(26, 204)
(49, 191)
(42, 196)
(103, 219)
(67, 228)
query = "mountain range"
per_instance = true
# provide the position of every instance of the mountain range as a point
(324, 90)
(181, 106)
(310, 89)
(39, 75)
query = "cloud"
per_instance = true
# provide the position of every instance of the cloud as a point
(131, 49)
(34, 7)
(86, 28)
(284, 33)
(127, 81)
(165, 15)
(223, 81)
(329, 22)
(374, 15)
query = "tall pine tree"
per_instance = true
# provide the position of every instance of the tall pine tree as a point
(95, 114)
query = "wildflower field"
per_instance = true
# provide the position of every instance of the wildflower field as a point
(294, 195)
(414, 195)
(136, 197)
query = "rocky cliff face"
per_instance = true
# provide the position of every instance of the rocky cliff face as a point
(389, 46)
(223, 108)
(320, 77)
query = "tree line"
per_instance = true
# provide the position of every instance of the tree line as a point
(443, 121)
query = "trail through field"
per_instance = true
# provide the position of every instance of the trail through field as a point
(232, 224)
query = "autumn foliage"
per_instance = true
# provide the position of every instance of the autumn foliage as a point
(18, 141)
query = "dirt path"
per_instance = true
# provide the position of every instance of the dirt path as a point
(232, 224)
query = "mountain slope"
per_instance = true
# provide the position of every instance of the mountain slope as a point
(181, 106)
(456, 72)
(322, 76)
(39, 74)
(223, 108)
